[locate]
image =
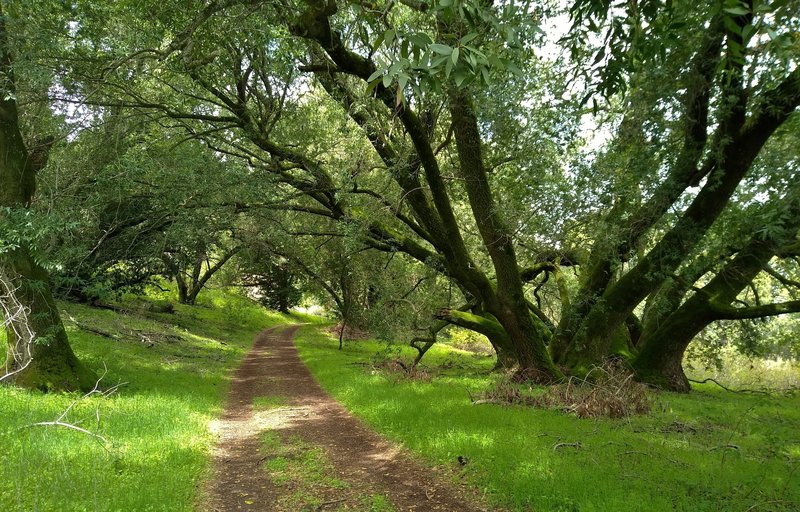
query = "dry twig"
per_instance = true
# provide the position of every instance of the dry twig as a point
(60, 421)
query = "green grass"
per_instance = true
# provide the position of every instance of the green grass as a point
(707, 451)
(710, 450)
(174, 372)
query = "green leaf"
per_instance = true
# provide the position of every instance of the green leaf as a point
(454, 55)
(438, 62)
(441, 49)
(739, 10)
(731, 25)
(599, 56)
(467, 38)
(378, 42)
(420, 39)
(370, 87)
(497, 63)
(375, 75)
(485, 75)
(387, 80)
(389, 36)
(747, 32)
(460, 76)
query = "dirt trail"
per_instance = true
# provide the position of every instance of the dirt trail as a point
(362, 464)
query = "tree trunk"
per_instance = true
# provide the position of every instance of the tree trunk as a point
(189, 290)
(660, 357)
(48, 361)
(660, 360)
(39, 355)
(527, 333)
(183, 290)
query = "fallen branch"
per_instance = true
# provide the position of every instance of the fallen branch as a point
(59, 421)
(724, 447)
(757, 391)
(331, 502)
(577, 445)
(91, 329)
(68, 425)
(489, 401)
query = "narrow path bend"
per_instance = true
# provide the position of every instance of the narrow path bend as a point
(365, 462)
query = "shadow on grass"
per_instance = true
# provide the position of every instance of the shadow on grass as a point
(156, 426)
(703, 451)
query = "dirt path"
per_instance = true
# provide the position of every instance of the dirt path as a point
(298, 449)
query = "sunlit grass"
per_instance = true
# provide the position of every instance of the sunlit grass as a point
(155, 426)
(709, 450)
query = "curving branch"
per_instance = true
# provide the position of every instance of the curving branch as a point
(721, 312)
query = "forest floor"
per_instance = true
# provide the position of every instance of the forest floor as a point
(286, 445)
(151, 443)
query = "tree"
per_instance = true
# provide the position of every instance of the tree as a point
(412, 138)
(138, 222)
(44, 359)
(714, 75)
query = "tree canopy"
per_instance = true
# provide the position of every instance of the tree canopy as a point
(577, 181)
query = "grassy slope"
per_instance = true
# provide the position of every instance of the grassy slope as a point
(156, 424)
(710, 450)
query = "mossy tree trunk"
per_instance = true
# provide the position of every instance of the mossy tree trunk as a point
(587, 331)
(48, 362)
(660, 356)
(527, 332)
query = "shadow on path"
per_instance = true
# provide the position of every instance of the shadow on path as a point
(365, 462)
